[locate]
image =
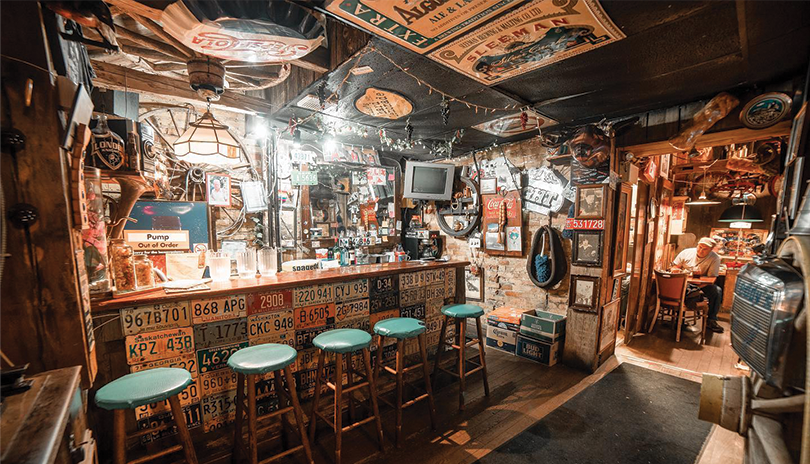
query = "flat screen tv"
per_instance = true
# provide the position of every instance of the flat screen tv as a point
(428, 181)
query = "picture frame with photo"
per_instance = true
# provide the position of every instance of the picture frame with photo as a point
(583, 293)
(474, 284)
(218, 189)
(591, 201)
(489, 186)
(586, 248)
(609, 321)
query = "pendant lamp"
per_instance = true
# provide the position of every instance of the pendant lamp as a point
(702, 199)
(741, 213)
(208, 141)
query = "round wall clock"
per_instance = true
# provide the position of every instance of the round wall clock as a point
(765, 110)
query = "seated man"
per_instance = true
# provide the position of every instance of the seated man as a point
(704, 264)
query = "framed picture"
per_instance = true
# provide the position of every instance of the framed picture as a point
(591, 201)
(622, 230)
(617, 288)
(489, 186)
(798, 135)
(584, 293)
(587, 248)
(610, 318)
(665, 163)
(218, 187)
(474, 284)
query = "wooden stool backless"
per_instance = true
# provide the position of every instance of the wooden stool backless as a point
(344, 342)
(249, 363)
(138, 389)
(460, 313)
(402, 329)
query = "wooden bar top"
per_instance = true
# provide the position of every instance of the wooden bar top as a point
(279, 281)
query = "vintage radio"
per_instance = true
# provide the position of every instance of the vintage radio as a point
(767, 298)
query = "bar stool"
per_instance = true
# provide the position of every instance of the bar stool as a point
(138, 389)
(344, 342)
(402, 329)
(460, 312)
(249, 363)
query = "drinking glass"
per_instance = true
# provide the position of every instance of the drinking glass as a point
(220, 265)
(267, 261)
(246, 263)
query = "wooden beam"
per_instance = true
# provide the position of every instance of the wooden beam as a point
(157, 29)
(150, 43)
(115, 77)
(317, 60)
(742, 135)
(133, 6)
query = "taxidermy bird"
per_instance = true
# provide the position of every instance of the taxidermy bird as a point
(92, 14)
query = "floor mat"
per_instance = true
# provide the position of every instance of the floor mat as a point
(631, 416)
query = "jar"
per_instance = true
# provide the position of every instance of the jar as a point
(123, 264)
(94, 238)
(144, 276)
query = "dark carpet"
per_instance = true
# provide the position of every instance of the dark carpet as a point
(632, 416)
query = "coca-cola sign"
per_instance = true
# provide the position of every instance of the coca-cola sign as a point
(492, 205)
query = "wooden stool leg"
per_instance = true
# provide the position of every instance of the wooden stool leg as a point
(372, 383)
(426, 373)
(313, 418)
(482, 355)
(440, 349)
(182, 430)
(400, 368)
(378, 358)
(240, 411)
(299, 414)
(338, 405)
(680, 324)
(120, 436)
(285, 422)
(655, 315)
(461, 334)
(350, 383)
(253, 440)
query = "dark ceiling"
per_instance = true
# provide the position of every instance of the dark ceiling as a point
(674, 52)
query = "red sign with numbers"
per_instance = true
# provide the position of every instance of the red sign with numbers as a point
(585, 224)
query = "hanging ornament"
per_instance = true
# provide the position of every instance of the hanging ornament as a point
(445, 110)
(322, 95)
(409, 130)
(524, 119)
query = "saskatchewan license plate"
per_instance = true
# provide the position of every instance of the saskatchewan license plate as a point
(162, 344)
(411, 280)
(188, 396)
(270, 324)
(218, 410)
(314, 295)
(314, 316)
(351, 310)
(186, 361)
(384, 284)
(217, 381)
(211, 359)
(351, 290)
(266, 302)
(217, 309)
(149, 318)
(220, 333)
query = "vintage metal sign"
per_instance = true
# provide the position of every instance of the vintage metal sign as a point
(152, 346)
(527, 38)
(411, 280)
(270, 324)
(353, 309)
(544, 192)
(316, 294)
(218, 309)
(266, 302)
(384, 284)
(418, 25)
(412, 296)
(351, 290)
(149, 318)
(385, 302)
(211, 359)
(584, 224)
(507, 126)
(186, 361)
(220, 333)
(383, 104)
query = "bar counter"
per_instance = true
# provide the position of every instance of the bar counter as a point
(199, 331)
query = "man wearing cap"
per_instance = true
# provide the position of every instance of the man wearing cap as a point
(704, 264)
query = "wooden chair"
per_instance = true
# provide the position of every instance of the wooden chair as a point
(671, 287)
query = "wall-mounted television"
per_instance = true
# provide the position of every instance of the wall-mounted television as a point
(428, 181)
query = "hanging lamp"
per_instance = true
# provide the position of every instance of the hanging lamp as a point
(702, 199)
(208, 141)
(741, 213)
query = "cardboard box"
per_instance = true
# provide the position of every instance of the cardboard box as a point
(506, 317)
(543, 326)
(544, 353)
(502, 339)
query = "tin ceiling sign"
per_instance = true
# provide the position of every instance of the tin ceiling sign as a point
(383, 104)
(418, 25)
(530, 37)
(510, 125)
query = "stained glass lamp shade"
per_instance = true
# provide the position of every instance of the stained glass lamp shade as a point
(208, 141)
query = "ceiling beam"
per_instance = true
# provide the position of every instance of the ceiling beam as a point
(115, 77)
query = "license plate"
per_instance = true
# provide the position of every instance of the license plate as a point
(193, 413)
(218, 410)
(450, 279)
(351, 290)
(217, 382)
(314, 316)
(411, 280)
(434, 292)
(307, 359)
(360, 323)
(162, 344)
(287, 338)
(187, 362)
(211, 359)
(386, 302)
(434, 276)
(266, 302)
(314, 295)
(351, 310)
(270, 324)
(305, 380)
(412, 296)
(188, 396)
(377, 317)
(416, 311)
(433, 308)
(384, 284)
(220, 333)
(433, 324)
(217, 309)
(149, 318)
(303, 338)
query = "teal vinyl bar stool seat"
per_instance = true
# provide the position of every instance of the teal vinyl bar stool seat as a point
(261, 359)
(400, 328)
(342, 340)
(462, 310)
(144, 387)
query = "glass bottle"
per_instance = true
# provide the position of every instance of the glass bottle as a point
(123, 264)
(144, 276)
(94, 238)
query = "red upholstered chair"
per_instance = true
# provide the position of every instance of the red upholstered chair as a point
(671, 295)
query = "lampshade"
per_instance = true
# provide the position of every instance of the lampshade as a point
(702, 200)
(208, 141)
(741, 213)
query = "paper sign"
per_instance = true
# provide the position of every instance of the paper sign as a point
(376, 176)
(157, 240)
